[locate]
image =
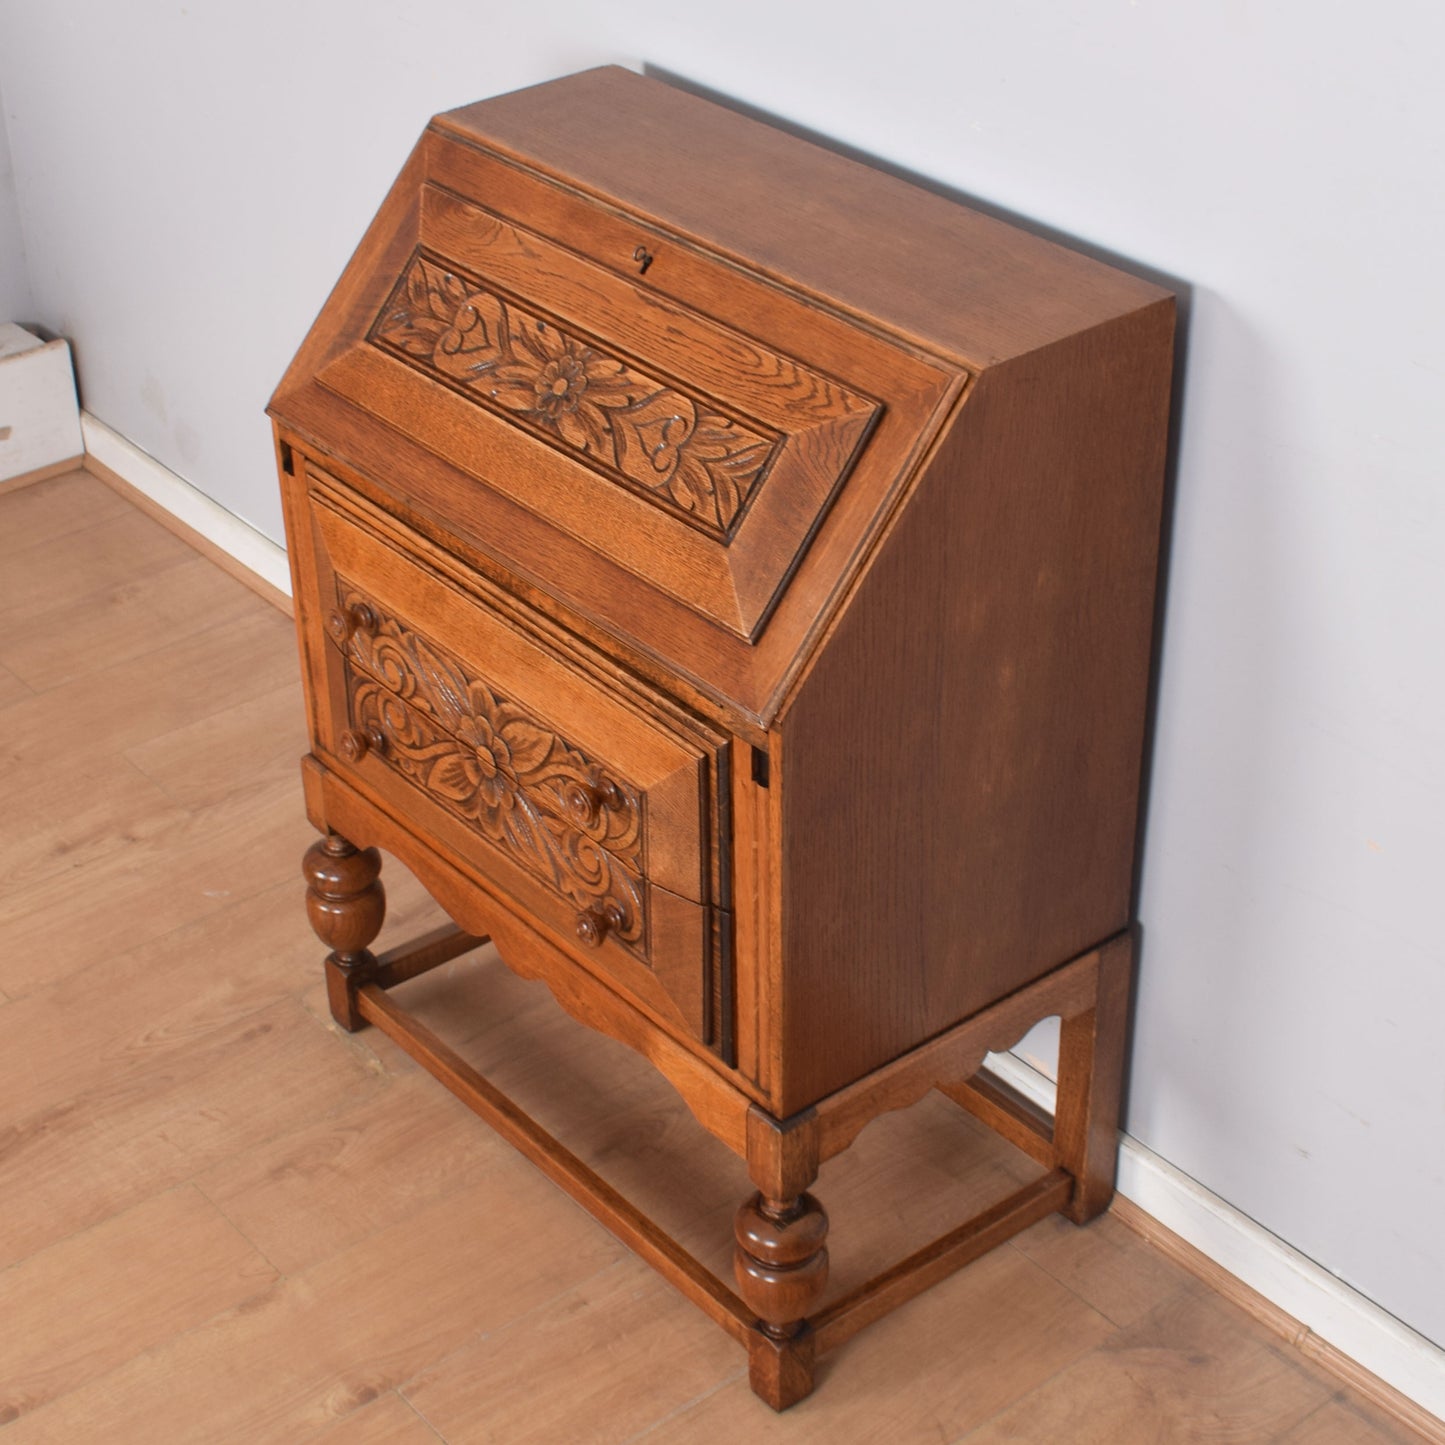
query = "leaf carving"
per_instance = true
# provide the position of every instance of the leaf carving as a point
(447, 689)
(528, 744)
(452, 776)
(503, 812)
(503, 745)
(687, 457)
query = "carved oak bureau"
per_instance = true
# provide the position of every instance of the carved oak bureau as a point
(724, 577)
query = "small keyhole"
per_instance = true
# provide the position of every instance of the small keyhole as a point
(643, 257)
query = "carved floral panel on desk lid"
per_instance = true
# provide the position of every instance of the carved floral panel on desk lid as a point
(501, 735)
(468, 782)
(690, 458)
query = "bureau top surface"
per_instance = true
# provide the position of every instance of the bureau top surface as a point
(843, 231)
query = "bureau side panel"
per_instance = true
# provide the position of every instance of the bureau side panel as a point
(960, 767)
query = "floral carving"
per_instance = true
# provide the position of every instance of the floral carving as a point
(470, 783)
(506, 747)
(692, 459)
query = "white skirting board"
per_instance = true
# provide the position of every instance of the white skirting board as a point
(1334, 1312)
(192, 508)
(1329, 1308)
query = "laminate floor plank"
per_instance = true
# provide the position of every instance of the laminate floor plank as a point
(67, 1166)
(131, 620)
(12, 690)
(164, 878)
(1346, 1421)
(151, 1005)
(1196, 1371)
(65, 822)
(386, 1420)
(1107, 1265)
(222, 1219)
(256, 742)
(303, 1195)
(318, 1345)
(126, 703)
(100, 1297)
(42, 511)
(631, 1350)
(84, 564)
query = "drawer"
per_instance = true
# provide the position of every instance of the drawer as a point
(538, 770)
(631, 780)
(502, 751)
(462, 776)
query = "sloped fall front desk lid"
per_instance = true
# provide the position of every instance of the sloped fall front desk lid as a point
(650, 434)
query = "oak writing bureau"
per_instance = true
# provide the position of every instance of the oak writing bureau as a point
(724, 576)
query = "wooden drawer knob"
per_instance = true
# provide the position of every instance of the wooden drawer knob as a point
(343, 623)
(357, 742)
(585, 799)
(596, 923)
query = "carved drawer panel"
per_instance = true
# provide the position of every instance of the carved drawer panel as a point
(462, 777)
(501, 746)
(646, 942)
(629, 781)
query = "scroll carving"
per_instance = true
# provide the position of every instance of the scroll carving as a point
(504, 741)
(466, 780)
(689, 457)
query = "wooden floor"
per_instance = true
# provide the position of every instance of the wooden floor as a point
(221, 1219)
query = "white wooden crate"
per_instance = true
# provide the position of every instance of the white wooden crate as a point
(39, 418)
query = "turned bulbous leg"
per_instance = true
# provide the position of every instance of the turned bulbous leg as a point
(781, 1265)
(346, 904)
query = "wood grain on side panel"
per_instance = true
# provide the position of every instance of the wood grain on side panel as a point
(962, 763)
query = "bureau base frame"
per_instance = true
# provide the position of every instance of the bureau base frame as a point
(781, 1256)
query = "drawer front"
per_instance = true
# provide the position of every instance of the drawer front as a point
(557, 789)
(543, 720)
(665, 953)
(503, 752)
(607, 897)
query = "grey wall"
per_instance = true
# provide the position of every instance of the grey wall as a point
(192, 179)
(16, 303)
